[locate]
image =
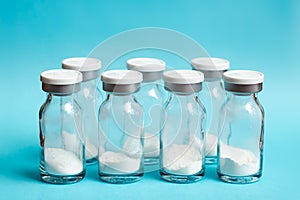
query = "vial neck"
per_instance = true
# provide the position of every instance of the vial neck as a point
(53, 98)
(90, 84)
(153, 82)
(59, 96)
(156, 85)
(214, 83)
(116, 96)
(184, 98)
(242, 97)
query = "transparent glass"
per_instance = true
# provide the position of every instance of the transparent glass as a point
(213, 97)
(89, 98)
(151, 98)
(182, 139)
(120, 139)
(240, 145)
(62, 140)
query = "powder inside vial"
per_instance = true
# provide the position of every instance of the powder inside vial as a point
(151, 145)
(114, 162)
(211, 145)
(237, 162)
(60, 161)
(182, 159)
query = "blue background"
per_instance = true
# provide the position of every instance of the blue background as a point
(256, 34)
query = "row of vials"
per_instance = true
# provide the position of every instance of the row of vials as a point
(152, 119)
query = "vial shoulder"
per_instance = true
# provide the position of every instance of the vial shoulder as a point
(250, 108)
(111, 105)
(87, 94)
(152, 94)
(192, 105)
(136, 106)
(69, 107)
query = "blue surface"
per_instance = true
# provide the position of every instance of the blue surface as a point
(37, 35)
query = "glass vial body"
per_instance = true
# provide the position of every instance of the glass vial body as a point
(89, 98)
(121, 129)
(213, 96)
(182, 137)
(61, 136)
(151, 96)
(240, 146)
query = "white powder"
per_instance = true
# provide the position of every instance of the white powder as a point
(90, 150)
(211, 145)
(112, 162)
(151, 145)
(60, 161)
(182, 159)
(237, 162)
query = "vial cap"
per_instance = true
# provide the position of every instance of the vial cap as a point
(82, 64)
(146, 64)
(243, 77)
(122, 77)
(210, 64)
(61, 77)
(183, 76)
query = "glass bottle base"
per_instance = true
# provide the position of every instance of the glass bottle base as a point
(120, 179)
(210, 160)
(62, 179)
(181, 178)
(239, 179)
(91, 161)
(151, 161)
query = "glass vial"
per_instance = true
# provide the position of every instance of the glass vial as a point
(240, 145)
(151, 98)
(213, 96)
(60, 122)
(89, 99)
(121, 128)
(182, 137)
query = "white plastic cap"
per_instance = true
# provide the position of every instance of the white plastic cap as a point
(146, 64)
(61, 77)
(183, 76)
(210, 64)
(122, 77)
(82, 64)
(243, 77)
